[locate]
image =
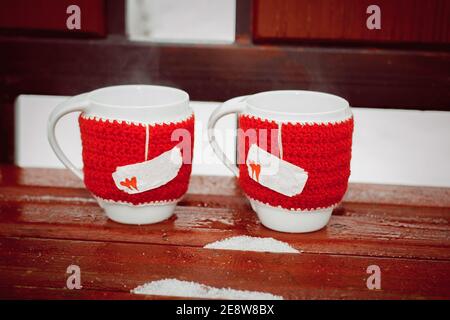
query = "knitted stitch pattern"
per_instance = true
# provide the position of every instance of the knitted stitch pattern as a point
(109, 144)
(323, 150)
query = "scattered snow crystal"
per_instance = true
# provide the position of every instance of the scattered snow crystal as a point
(246, 243)
(179, 288)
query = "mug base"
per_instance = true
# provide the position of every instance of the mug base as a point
(292, 221)
(145, 214)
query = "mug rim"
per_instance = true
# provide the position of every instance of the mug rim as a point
(342, 103)
(183, 96)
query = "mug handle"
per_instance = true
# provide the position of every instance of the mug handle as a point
(76, 103)
(234, 105)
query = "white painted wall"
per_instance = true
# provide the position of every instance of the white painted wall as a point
(390, 146)
(195, 21)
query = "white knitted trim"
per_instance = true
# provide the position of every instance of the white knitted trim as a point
(304, 123)
(298, 210)
(136, 123)
(154, 203)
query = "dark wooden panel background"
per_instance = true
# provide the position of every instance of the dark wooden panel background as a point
(402, 21)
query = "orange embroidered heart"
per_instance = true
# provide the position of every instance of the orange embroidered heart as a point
(256, 169)
(130, 183)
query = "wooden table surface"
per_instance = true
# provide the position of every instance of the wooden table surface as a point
(48, 221)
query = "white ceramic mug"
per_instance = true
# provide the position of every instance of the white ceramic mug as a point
(134, 165)
(299, 172)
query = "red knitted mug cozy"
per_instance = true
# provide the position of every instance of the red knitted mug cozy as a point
(108, 144)
(322, 150)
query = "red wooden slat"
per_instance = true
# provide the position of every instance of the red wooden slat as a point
(121, 267)
(402, 21)
(213, 210)
(226, 186)
(199, 226)
(50, 16)
(48, 221)
(44, 293)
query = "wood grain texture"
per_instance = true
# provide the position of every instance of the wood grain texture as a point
(402, 21)
(49, 221)
(48, 17)
(120, 267)
(217, 186)
(367, 77)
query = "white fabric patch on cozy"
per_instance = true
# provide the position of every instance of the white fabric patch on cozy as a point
(275, 173)
(180, 288)
(246, 243)
(151, 174)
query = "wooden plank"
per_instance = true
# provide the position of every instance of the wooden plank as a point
(214, 209)
(243, 20)
(382, 78)
(369, 236)
(48, 17)
(58, 223)
(119, 267)
(402, 21)
(12, 176)
(14, 292)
